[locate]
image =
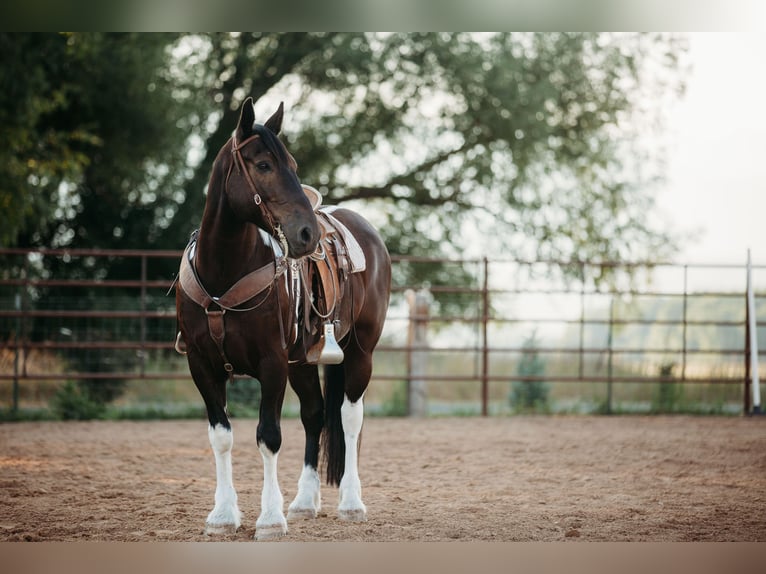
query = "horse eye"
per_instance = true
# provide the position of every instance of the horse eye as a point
(263, 166)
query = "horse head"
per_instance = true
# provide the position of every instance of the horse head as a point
(262, 185)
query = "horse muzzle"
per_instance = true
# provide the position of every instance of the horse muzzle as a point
(302, 238)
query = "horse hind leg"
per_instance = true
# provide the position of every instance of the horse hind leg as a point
(350, 506)
(308, 501)
(344, 389)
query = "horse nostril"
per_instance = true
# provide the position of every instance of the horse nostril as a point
(306, 235)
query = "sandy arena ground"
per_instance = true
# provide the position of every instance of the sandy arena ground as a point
(573, 478)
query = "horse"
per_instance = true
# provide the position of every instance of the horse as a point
(257, 222)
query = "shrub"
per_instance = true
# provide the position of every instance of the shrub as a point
(529, 393)
(668, 396)
(71, 402)
(243, 398)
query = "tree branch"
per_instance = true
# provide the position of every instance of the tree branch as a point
(408, 179)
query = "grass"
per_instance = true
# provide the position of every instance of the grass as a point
(174, 399)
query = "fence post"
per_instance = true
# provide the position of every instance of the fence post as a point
(609, 373)
(417, 361)
(581, 355)
(746, 394)
(17, 305)
(485, 341)
(685, 304)
(753, 339)
(142, 350)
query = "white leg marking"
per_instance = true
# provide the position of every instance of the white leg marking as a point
(308, 501)
(350, 506)
(225, 517)
(271, 523)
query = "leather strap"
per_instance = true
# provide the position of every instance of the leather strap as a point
(252, 284)
(249, 286)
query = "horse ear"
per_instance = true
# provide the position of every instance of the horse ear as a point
(274, 123)
(246, 120)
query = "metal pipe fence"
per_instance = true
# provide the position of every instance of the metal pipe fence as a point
(88, 323)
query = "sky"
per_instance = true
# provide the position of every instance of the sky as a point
(716, 142)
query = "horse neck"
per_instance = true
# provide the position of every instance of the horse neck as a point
(227, 248)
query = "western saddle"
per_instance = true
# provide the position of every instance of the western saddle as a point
(315, 285)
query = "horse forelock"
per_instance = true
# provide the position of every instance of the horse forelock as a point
(275, 146)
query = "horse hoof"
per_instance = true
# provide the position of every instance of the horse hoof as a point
(353, 514)
(301, 513)
(220, 529)
(271, 532)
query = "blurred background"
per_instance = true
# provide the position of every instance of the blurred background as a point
(569, 214)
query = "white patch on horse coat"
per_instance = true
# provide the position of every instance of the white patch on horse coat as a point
(271, 523)
(271, 242)
(350, 506)
(308, 501)
(226, 513)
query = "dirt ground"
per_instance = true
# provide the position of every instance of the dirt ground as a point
(573, 478)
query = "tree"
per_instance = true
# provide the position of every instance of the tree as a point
(521, 141)
(95, 139)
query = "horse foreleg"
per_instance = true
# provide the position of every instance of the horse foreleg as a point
(271, 522)
(225, 518)
(350, 506)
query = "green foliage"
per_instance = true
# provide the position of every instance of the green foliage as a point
(10, 415)
(71, 402)
(508, 135)
(396, 403)
(529, 393)
(243, 398)
(450, 143)
(102, 391)
(94, 143)
(155, 412)
(668, 395)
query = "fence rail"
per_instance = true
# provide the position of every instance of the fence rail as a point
(41, 313)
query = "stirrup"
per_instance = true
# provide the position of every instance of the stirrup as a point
(326, 351)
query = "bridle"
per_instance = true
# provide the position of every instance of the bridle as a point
(239, 161)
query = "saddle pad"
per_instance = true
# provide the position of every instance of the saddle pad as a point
(355, 253)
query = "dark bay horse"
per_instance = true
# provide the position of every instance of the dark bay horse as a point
(257, 221)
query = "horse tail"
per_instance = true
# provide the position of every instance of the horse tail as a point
(333, 441)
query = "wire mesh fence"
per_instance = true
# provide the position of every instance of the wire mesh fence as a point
(596, 336)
